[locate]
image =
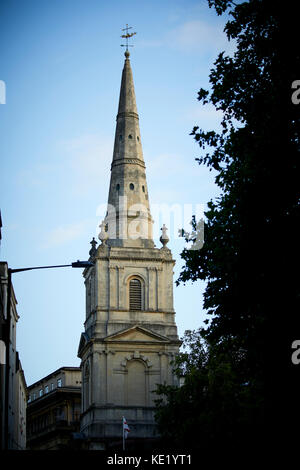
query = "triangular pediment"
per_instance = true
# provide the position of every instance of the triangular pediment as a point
(84, 339)
(137, 334)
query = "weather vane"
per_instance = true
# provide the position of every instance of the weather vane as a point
(127, 36)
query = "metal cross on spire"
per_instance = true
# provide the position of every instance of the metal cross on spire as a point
(126, 36)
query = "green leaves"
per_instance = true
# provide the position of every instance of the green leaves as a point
(212, 402)
(250, 251)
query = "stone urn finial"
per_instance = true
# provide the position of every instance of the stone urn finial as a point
(103, 235)
(164, 237)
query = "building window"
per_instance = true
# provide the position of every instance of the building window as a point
(143, 189)
(118, 187)
(59, 382)
(29, 399)
(131, 186)
(60, 413)
(138, 138)
(130, 136)
(41, 392)
(120, 137)
(52, 386)
(34, 396)
(135, 294)
(47, 389)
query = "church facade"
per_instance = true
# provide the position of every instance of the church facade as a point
(130, 336)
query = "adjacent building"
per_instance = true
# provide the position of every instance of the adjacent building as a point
(53, 410)
(20, 406)
(13, 393)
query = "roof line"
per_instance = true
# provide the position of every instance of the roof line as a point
(53, 373)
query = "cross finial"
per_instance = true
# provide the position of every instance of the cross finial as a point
(126, 36)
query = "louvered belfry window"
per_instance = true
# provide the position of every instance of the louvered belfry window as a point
(135, 294)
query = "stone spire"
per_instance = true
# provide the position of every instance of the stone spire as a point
(128, 220)
(127, 138)
(130, 337)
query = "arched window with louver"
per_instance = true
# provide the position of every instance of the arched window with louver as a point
(135, 294)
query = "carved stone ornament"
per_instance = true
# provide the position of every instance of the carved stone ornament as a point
(93, 250)
(103, 235)
(164, 237)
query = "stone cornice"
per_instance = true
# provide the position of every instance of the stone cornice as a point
(110, 343)
(130, 161)
(155, 255)
(126, 258)
(127, 114)
(154, 311)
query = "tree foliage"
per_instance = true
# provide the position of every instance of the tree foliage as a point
(250, 257)
(213, 407)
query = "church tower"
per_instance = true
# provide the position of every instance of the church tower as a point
(130, 335)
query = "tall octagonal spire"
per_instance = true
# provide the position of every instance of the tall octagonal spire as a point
(128, 220)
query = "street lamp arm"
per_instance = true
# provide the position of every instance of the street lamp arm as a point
(76, 264)
(82, 264)
(38, 267)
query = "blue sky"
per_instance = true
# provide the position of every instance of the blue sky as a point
(61, 62)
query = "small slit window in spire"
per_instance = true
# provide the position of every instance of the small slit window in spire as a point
(131, 186)
(130, 136)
